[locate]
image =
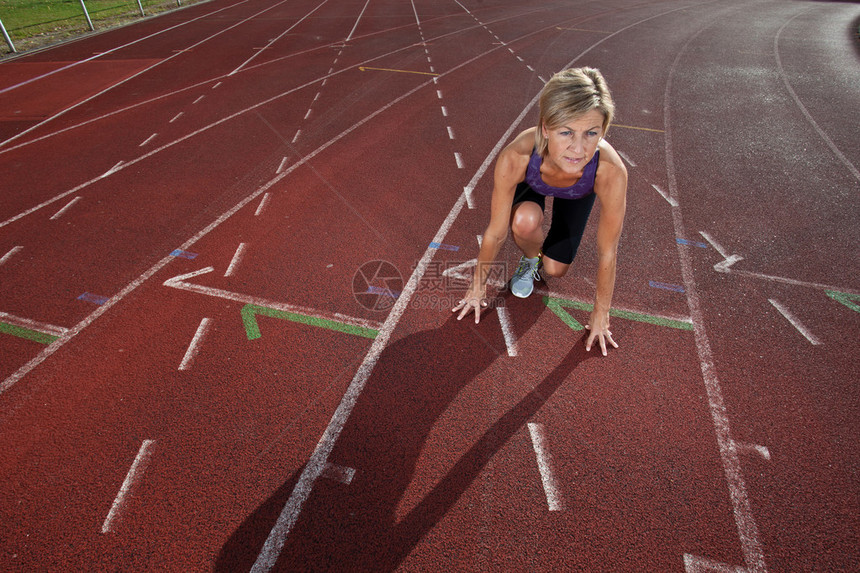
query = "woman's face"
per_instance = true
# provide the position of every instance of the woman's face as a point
(572, 144)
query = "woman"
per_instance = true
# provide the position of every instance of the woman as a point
(565, 157)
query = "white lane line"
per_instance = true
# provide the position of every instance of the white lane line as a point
(194, 347)
(198, 99)
(444, 111)
(459, 159)
(262, 204)
(665, 196)
(282, 165)
(112, 170)
(296, 136)
(470, 201)
(216, 85)
(714, 244)
(544, 462)
(68, 206)
(148, 139)
(627, 159)
(316, 463)
(308, 114)
(141, 461)
(795, 322)
(507, 330)
(237, 258)
(32, 324)
(8, 255)
(450, 133)
(177, 116)
(357, 20)
(747, 529)
(439, 94)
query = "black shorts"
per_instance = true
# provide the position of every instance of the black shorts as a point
(569, 217)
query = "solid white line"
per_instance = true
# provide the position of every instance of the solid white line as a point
(795, 322)
(141, 461)
(32, 324)
(357, 20)
(59, 213)
(747, 528)
(8, 255)
(194, 347)
(550, 488)
(507, 330)
(262, 205)
(237, 258)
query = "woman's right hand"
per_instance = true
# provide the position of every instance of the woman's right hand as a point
(475, 300)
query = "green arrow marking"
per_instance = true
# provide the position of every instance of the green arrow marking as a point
(845, 298)
(557, 305)
(250, 312)
(20, 332)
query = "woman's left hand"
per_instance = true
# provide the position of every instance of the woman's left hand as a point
(598, 328)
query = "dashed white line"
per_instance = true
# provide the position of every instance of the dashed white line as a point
(68, 206)
(141, 461)
(439, 94)
(444, 111)
(8, 255)
(237, 258)
(194, 347)
(795, 322)
(459, 160)
(308, 114)
(177, 116)
(665, 196)
(550, 488)
(450, 133)
(282, 165)
(198, 100)
(216, 85)
(262, 205)
(148, 139)
(296, 136)
(507, 330)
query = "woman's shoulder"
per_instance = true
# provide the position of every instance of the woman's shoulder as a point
(610, 164)
(515, 156)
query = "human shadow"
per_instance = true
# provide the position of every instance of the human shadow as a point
(353, 527)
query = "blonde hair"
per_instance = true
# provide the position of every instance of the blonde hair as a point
(572, 93)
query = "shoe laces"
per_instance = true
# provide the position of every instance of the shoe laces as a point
(524, 267)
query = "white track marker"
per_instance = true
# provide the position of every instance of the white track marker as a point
(459, 159)
(754, 448)
(179, 282)
(134, 474)
(665, 196)
(627, 159)
(177, 116)
(59, 213)
(296, 136)
(148, 139)
(450, 133)
(470, 201)
(444, 111)
(112, 170)
(550, 488)
(717, 247)
(8, 255)
(194, 347)
(198, 99)
(32, 324)
(795, 322)
(338, 473)
(237, 258)
(507, 330)
(282, 165)
(262, 205)
(696, 564)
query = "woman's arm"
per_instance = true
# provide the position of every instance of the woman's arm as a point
(611, 188)
(510, 170)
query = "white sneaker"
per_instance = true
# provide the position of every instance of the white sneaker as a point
(523, 281)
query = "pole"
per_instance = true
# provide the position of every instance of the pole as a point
(8, 39)
(87, 14)
(139, 5)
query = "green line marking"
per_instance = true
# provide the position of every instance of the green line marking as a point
(845, 299)
(250, 312)
(34, 335)
(557, 306)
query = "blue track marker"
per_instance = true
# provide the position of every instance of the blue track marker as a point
(383, 291)
(444, 247)
(692, 243)
(183, 254)
(666, 286)
(94, 298)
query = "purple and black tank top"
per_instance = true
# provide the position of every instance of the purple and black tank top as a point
(581, 188)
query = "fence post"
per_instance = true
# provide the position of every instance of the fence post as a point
(8, 39)
(87, 14)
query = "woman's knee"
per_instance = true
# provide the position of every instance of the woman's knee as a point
(553, 268)
(527, 219)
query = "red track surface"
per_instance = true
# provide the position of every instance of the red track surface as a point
(324, 136)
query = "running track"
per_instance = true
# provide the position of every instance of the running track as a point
(199, 370)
